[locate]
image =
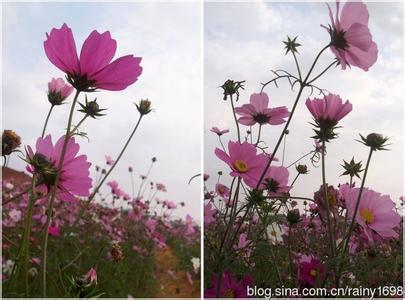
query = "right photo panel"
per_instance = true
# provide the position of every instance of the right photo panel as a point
(303, 149)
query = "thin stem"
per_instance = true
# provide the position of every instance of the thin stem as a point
(295, 179)
(78, 125)
(314, 63)
(297, 65)
(351, 227)
(17, 196)
(326, 200)
(222, 145)
(27, 233)
(323, 72)
(290, 165)
(282, 160)
(258, 134)
(236, 120)
(46, 120)
(144, 180)
(115, 163)
(54, 189)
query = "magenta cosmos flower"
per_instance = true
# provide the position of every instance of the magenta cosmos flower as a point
(244, 161)
(209, 213)
(311, 271)
(93, 68)
(351, 40)
(218, 131)
(75, 176)
(330, 109)
(231, 287)
(276, 181)
(222, 190)
(375, 214)
(58, 91)
(259, 112)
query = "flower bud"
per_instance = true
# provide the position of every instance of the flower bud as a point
(58, 91)
(301, 169)
(9, 142)
(293, 216)
(92, 109)
(144, 107)
(352, 169)
(375, 141)
(291, 45)
(231, 87)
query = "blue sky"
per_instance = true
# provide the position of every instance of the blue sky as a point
(243, 41)
(166, 36)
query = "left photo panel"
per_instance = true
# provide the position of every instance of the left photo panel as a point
(101, 139)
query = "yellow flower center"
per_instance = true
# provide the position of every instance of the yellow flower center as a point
(240, 166)
(312, 273)
(367, 216)
(228, 294)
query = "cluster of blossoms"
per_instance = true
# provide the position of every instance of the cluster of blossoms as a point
(258, 232)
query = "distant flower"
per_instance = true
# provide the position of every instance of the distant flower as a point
(115, 189)
(218, 131)
(311, 271)
(196, 263)
(222, 190)
(351, 40)
(333, 200)
(109, 161)
(244, 161)
(161, 187)
(259, 112)
(93, 69)
(75, 176)
(209, 213)
(231, 287)
(375, 213)
(275, 181)
(206, 177)
(171, 273)
(189, 278)
(10, 141)
(54, 230)
(91, 276)
(15, 215)
(243, 245)
(171, 205)
(58, 91)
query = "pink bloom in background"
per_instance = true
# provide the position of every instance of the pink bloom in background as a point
(91, 275)
(109, 161)
(243, 245)
(222, 190)
(171, 205)
(93, 69)
(259, 112)
(218, 131)
(161, 187)
(311, 271)
(351, 40)
(375, 214)
(231, 287)
(171, 273)
(330, 109)
(54, 230)
(189, 278)
(75, 176)
(115, 189)
(15, 215)
(276, 181)
(209, 213)
(243, 161)
(58, 90)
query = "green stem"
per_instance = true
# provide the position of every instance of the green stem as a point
(351, 227)
(54, 190)
(326, 200)
(258, 134)
(78, 125)
(235, 118)
(46, 120)
(27, 233)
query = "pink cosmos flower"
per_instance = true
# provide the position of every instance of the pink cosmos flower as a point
(109, 161)
(161, 187)
(329, 110)
(93, 69)
(218, 131)
(171, 205)
(276, 181)
(58, 90)
(209, 213)
(259, 112)
(375, 214)
(91, 276)
(75, 176)
(311, 271)
(231, 287)
(15, 215)
(243, 245)
(222, 190)
(243, 161)
(189, 278)
(115, 189)
(351, 40)
(54, 230)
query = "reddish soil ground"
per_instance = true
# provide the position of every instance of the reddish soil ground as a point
(170, 287)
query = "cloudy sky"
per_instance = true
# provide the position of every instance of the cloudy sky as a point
(243, 41)
(167, 37)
